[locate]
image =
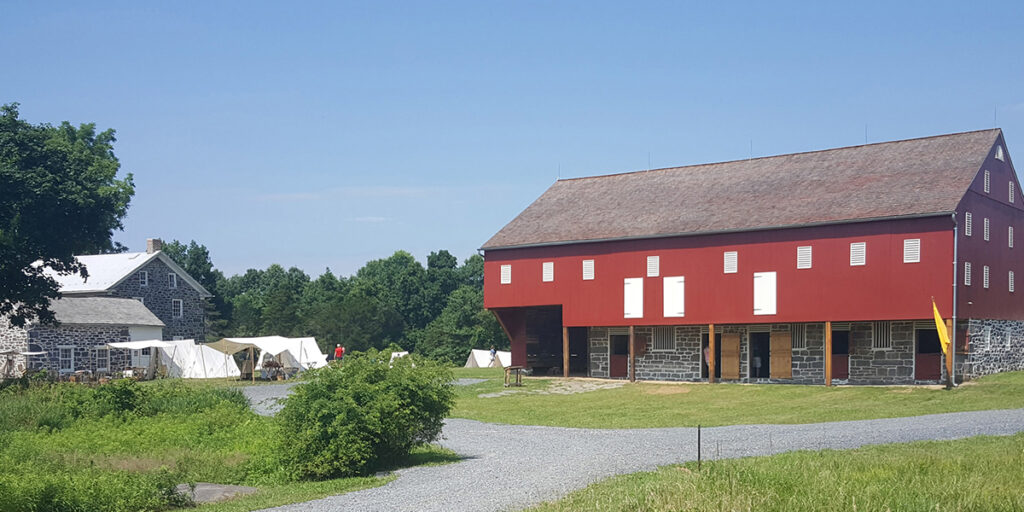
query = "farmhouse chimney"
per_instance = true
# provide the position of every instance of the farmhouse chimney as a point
(153, 245)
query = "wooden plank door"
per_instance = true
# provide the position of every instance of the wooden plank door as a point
(730, 356)
(781, 356)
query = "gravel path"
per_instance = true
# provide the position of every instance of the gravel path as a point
(510, 467)
(264, 398)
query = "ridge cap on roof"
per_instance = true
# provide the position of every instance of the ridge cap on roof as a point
(767, 157)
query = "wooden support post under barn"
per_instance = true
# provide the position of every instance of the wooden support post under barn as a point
(632, 354)
(952, 352)
(828, 353)
(711, 353)
(565, 352)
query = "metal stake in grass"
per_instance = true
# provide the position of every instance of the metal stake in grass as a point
(698, 447)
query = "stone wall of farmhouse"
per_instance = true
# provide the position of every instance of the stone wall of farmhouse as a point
(12, 338)
(157, 296)
(84, 339)
(995, 346)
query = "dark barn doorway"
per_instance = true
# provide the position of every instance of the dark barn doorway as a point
(840, 354)
(619, 358)
(760, 355)
(579, 361)
(544, 340)
(705, 352)
(928, 358)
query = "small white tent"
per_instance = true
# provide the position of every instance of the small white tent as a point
(300, 353)
(189, 360)
(482, 359)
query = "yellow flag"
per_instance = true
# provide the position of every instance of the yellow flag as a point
(941, 327)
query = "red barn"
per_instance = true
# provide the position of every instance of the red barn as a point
(776, 269)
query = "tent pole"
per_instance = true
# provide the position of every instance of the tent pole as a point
(252, 359)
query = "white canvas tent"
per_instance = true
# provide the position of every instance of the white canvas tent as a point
(189, 360)
(482, 359)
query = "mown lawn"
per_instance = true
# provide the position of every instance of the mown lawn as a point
(980, 473)
(643, 405)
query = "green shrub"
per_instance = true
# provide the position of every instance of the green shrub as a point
(353, 419)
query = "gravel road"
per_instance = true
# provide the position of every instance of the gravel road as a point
(510, 467)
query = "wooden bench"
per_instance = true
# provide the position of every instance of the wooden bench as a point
(518, 371)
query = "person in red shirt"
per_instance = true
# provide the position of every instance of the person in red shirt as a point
(339, 352)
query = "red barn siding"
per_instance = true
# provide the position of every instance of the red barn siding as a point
(885, 288)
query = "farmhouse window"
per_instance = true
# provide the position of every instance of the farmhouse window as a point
(548, 271)
(66, 359)
(731, 263)
(633, 297)
(988, 179)
(912, 250)
(881, 338)
(506, 274)
(803, 257)
(172, 280)
(984, 276)
(858, 254)
(653, 266)
(967, 273)
(588, 270)
(143, 278)
(663, 340)
(102, 356)
(675, 296)
(177, 309)
(967, 224)
(764, 293)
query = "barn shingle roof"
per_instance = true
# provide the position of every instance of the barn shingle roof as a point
(905, 178)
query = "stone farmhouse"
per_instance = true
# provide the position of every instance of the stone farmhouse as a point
(127, 297)
(814, 268)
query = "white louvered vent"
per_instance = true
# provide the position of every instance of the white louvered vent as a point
(967, 273)
(506, 274)
(924, 324)
(988, 181)
(1013, 192)
(1009, 236)
(984, 276)
(986, 229)
(548, 271)
(799, 335)
(967, 224)
(999, 154)
(588, 270)
(663, 340)
(840, 326)
(1009, 281)
(858, 253)
(881, 339)
(653, 266)
(731, 264)
(912, 250)
(803, 256)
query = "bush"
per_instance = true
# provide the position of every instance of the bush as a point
(354, 419)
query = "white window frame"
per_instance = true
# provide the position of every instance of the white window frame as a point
(730, 262)
(102, 349)
(653, 266)
(912, 250)
(663, 339)
(547, 271)
(986, 229)
(674, 296)
(988, 182)
(804, 257)
(180, 304)
(633, 297)
(967, 223)
(1009, 281)
(588, 270)
(506, 274)
(766, 293)
(61, 358)
(967, 273)
(172, 280)
(984, 276)
(143, 278)
(881, 335)
(863, 249)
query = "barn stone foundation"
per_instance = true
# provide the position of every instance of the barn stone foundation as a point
(994, 346)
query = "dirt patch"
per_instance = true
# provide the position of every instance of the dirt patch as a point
(560, 387)
(903, 391)
(665, 390)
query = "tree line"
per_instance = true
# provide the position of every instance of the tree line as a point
(389, 303)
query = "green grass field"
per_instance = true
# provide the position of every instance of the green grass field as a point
(642, 405)
(980, 473)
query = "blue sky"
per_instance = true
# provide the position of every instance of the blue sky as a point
(327, 134)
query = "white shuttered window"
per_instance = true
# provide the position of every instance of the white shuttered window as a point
(912, 250)
(1009, 281)
(1009, 236)
(548, 271)
(986, 229)
(967, 224)
(858, 253)
(764, 293)
(731, 262)
(506, 274)
(633, 297)
(803, 256)
(588, 270)
(967, 273)
(984, 276)
(653, 266)
(988, 180)
(675, 296)
(1013, 192)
